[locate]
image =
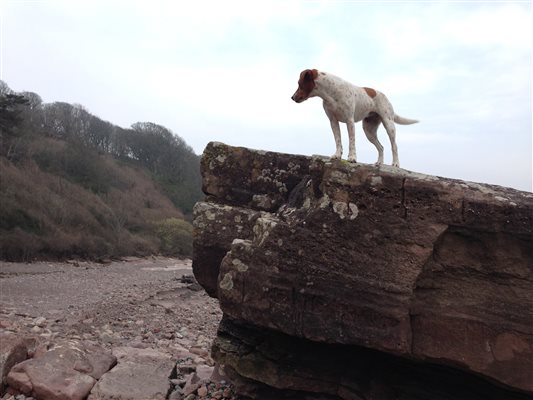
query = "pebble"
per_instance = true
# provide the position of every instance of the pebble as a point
(226, 393)
(202, 391)
(199, 351)
(186, 369)
(4, 323)
(199, 360)
(175, 395)
(47, 335)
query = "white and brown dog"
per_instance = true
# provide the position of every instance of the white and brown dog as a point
(344, 102)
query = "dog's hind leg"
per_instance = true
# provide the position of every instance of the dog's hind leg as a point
(352, 156)
(370, 126)
(391, 131)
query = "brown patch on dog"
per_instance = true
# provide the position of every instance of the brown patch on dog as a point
(371, 92)
(308, 75)
(306, 84)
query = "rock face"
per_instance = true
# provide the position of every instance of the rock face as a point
(376, 261)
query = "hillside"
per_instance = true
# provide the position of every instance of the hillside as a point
(73, 185)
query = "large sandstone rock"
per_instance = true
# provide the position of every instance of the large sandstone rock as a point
(419, 267)
(66, 372)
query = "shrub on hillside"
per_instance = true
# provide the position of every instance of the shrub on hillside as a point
(73, 185)
(49, 217)
(12, 250)
(176, 237)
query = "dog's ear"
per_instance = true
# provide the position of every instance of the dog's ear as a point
(310, 74)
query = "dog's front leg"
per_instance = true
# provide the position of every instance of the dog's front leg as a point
(335, 127)
(352, 157)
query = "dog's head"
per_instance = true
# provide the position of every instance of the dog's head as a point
(306, 84)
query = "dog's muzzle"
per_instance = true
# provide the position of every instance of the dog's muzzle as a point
(297, 99)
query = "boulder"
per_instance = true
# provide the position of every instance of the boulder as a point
(422, 268)
(139, 374)
(68, 371)
(201, 375)
(13, 350)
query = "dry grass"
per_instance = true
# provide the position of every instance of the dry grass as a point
(107, 210)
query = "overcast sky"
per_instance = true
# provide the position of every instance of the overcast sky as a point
(225, 71)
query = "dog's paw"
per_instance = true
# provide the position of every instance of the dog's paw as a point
(352, 159)
(336, 156)
(396, 164)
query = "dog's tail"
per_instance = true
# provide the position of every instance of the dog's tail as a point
(404, 121)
